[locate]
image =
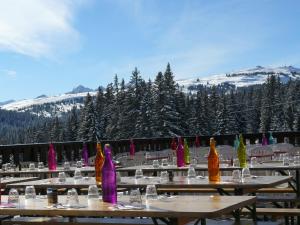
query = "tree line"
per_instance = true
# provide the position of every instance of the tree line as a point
(161, 108)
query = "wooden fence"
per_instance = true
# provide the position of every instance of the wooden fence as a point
(72, 150)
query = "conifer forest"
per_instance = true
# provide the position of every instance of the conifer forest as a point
(160, 108)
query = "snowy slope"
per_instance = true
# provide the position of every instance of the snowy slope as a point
(242, 78)
(40, 101)
(49, 106)
(56, 105)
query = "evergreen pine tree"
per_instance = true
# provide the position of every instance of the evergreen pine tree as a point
(87, 131)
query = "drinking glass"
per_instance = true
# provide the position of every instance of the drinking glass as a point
(246, 175)
(138, 174)
(30, 192)
(118, 176)
(8, 166)
(155, 163)
(135, 198)
(220, 158)
(77, 174)
(253, 162)
(286, 161)
(93, 192)
(236, 176)
(193, 162)
(165, 162)
(40, 165)
(79, 164)
(191, 172)
(286, 140)
(174, 159)
(236, 162)
(31, 166)
(82, 162)
(13, 196)
(247, 142)
(67, 166)
(147, 155)
(297, 160)
(62, 177)
(164, 177)
(72, 198)
(151, 193)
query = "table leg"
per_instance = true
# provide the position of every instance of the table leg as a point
(238, 191)
(203, 221)
(298, 191)
(178, 221)
(254, 217)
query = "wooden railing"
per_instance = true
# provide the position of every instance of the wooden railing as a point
(72, 150)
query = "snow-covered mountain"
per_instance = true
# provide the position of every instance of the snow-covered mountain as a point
(242, 78)
(80, 89)
(52, 105)
(57, 105)
(6, 102)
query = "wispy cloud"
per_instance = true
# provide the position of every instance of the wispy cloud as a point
(9, 73)
(197, 39)
(37, 28)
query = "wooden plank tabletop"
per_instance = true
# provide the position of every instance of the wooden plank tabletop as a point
(203, 167)
(179, 182)
(46, 171)
(54, 183)
(11, 180)
(177, 207)
(255, 182)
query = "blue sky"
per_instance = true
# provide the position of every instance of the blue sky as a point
(50, 46)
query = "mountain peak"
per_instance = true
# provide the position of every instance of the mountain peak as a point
(79, 89)
(7, 102)
(243, 78)
(42, 96)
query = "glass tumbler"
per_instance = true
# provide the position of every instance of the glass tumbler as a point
(93, 192)
(236, 176)
(164, 177)
(164, 162)
(191, 172)
(72, 198)
(40, 165)
(246, 175)
(151, 193)
(77, 174)
(31, 166)
(253, 162)
(67, 166)
(62, 177)
(135, 198)
(30, 192)
(13, 196)
(138, 174)
(155, 163)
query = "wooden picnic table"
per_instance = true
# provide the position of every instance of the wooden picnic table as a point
(11, 180)
(240, 188)
(173, 210)
(45, 172)
(270, 166)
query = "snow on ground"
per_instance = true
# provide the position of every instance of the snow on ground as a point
(242, 78)
(23, 104)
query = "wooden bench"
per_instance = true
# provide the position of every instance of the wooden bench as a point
(122, 221)
(230, 190)
(76, 221)
(287, 213)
